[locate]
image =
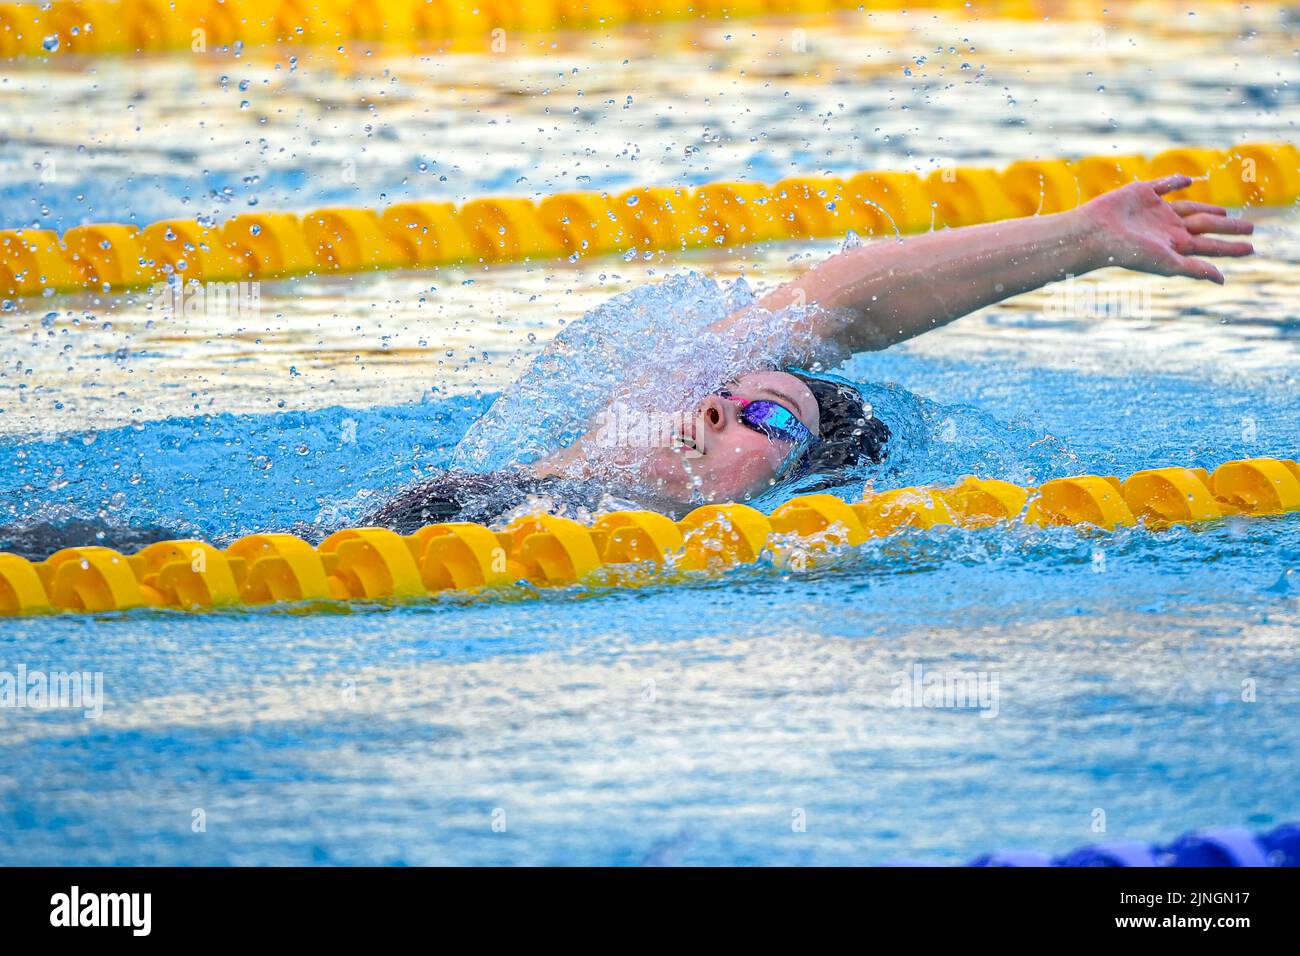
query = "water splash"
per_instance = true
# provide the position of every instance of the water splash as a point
(652, 349)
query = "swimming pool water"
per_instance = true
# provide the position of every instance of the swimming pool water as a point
(1147, 681)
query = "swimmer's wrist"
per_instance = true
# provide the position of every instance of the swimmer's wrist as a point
(1090, 239)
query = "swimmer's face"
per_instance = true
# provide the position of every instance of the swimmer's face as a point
(717, 457)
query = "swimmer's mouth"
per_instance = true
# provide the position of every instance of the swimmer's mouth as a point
(686, 444)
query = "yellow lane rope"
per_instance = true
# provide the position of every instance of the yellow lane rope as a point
(622, 549)
(271, 245)
(96, 27)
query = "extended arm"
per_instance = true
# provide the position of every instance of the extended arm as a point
(875, 295)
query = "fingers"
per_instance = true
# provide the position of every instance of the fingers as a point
(1185, 207)
(1199, 222)
(1209, 246)
(1168, 184)
(1198, 269)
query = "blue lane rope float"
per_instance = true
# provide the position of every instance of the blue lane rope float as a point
(1212, 846)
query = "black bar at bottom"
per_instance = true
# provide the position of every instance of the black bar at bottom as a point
(333, 906)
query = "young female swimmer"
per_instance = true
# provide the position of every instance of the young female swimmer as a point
(769, 422)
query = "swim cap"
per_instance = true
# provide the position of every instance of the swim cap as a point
(849, 434)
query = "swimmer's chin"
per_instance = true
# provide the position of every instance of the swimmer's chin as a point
(668, 473)
(688, 479)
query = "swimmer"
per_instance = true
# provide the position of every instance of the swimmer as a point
(769, 422)
(745, 415)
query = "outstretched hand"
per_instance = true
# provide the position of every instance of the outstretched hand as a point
(1138, 230)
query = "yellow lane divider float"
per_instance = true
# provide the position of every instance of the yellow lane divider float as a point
(622, 549)
(269, 245)
(92, 27)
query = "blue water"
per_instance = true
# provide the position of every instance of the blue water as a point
(219, 476)
(1147, 682)
(680, 724)
(210, 137)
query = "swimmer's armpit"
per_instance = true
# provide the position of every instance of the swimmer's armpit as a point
(885, 292)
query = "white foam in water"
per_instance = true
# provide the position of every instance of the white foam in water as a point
(650, 350)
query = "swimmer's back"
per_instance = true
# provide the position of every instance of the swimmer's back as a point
(457, 495)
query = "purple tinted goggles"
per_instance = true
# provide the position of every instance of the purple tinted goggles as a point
(775, 421)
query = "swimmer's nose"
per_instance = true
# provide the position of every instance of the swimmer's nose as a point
(714, 412)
